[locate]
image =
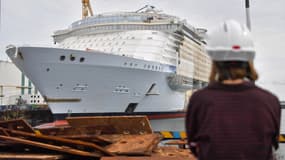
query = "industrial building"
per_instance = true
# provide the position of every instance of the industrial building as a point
(15, 87)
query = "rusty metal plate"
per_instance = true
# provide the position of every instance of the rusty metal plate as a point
(113, 124)
(146, 158)
(168, 151)
(58, 148)
(19, 156)
(18, 124)
(135, 144)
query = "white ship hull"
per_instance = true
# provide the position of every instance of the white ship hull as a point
(102, 83)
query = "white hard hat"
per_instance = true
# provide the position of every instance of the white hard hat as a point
(230, 41)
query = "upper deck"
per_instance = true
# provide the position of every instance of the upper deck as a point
(150, 19)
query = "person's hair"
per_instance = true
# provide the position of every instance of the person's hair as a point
(232, 70)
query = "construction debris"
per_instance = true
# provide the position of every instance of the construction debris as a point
(30, 156)
(105, 138)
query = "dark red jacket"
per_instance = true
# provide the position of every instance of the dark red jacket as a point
(233, 122)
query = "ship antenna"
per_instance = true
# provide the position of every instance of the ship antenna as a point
(248, 22)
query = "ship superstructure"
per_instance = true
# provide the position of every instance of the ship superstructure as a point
(118, 63)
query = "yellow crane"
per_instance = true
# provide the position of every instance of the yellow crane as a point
(86, 9)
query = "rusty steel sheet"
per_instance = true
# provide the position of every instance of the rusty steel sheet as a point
(19, 156)
(62, 141)
(3, 132)
(18, 124)
(135, 144)
(170, 151)
(113, 124)
(62, 149)
(93, 138)
(146, 158)
(180, 143)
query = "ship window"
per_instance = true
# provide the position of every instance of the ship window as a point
(47, 69)
(149, 37)
(82, 59)
(62, 58)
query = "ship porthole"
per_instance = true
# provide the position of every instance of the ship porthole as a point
(47, 69)
(62, 58)
(82, 59)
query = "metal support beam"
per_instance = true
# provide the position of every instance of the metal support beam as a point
(0, 15)
(248, 21)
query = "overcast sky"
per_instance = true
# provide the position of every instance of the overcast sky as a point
(32, 22)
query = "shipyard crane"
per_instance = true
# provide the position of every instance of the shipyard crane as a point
(86, 9)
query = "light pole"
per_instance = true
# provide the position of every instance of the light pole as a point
(1, 94)
(248, 22)
(0, 15)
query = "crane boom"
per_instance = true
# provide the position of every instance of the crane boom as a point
(86, 9)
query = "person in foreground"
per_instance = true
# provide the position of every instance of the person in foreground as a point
(232, 118)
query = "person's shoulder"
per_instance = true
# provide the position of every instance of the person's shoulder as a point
(266, 93)
(200, 93)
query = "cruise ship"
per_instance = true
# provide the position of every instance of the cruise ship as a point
(139, 63)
